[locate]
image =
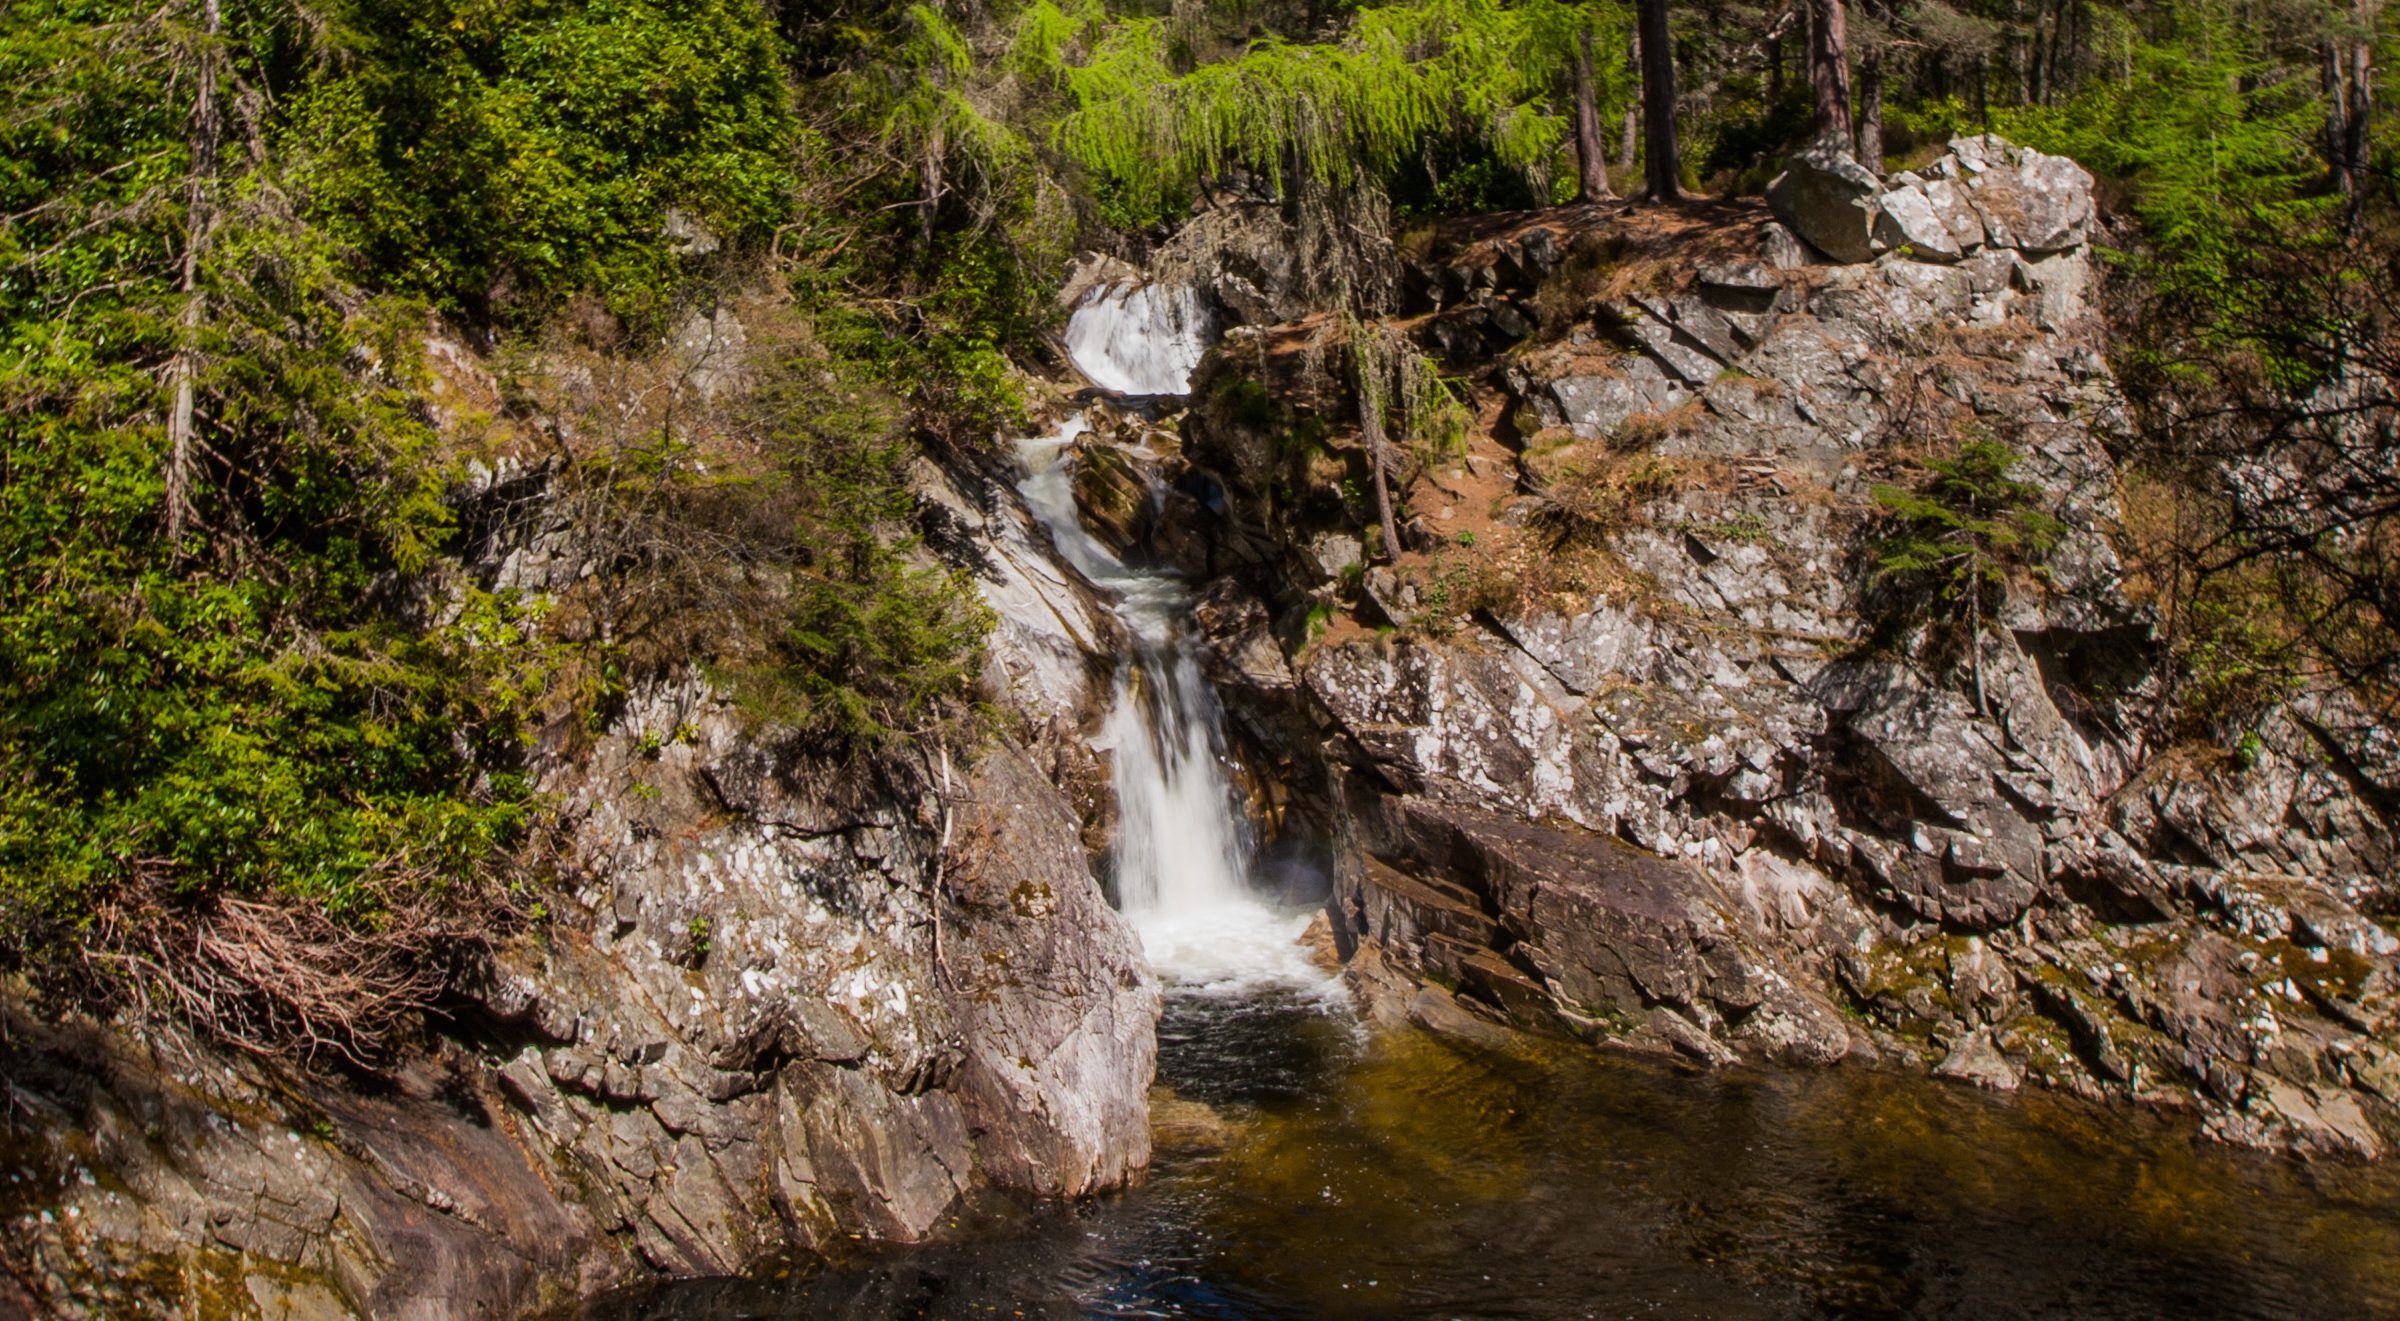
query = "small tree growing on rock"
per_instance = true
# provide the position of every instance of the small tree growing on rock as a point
(1962, 534)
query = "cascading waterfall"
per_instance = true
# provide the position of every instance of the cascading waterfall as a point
(1182, 838)
(1139, 339)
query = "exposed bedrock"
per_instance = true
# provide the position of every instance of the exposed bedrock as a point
(770, 1013)
(1712, 796)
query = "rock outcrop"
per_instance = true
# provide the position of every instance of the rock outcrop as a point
(1700, 789)
(1831, 200)
(1985, 193)
(776, 1006)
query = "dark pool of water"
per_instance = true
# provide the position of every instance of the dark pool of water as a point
(1402, 1176)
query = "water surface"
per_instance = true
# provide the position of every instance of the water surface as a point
(1400, 1175)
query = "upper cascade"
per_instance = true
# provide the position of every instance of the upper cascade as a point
(1139, 339)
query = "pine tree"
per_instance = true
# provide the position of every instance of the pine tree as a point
(1961, 535)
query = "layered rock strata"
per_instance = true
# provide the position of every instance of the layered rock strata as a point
(778, 1007)
(1715, 796)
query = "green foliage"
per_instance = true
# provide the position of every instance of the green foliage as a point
(1961, 533)
(1433, 414)
(1246, 403)
(875, 642)
(267, 705)
(2214, 141)
(496, 155)
(1334, 113)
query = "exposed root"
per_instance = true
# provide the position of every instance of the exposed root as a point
(279, 977)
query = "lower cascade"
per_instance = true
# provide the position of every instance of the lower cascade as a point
(1182, 844)
(1200, 661)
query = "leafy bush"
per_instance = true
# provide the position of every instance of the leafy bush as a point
(494, 157)
(879, 644)
(235, 736)
(764, 531)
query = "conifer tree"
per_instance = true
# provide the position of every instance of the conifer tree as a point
(1829, 73)
(1664, 168)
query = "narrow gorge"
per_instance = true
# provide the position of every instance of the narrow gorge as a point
(1350, 753)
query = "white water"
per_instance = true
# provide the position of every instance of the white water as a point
(1182, 839)
(1139, 339)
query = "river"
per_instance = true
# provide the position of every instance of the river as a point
(1309, 1167)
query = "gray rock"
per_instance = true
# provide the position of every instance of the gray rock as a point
(1974, 1059)
(1595, 405)
(1907, 222)
(1779, 248)
(1950, 205)
(1830, 200)
(2027, 200)
(2031, 883)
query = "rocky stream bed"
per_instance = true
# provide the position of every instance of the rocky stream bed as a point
(1694, 942)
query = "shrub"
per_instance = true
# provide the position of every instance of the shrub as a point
(496, 157)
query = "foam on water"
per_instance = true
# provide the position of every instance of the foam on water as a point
(1139, 339)
(1183, 842)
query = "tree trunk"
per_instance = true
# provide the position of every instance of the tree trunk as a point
(2331, 82)
(2362, 102)
(198, 219)
(1665, 168)
(1633, 111)
(1870, 109)
(2054, 81)
(1370, 421)
(2036, 66)
(1590, 148)
(1829, 73)
(2024, 59)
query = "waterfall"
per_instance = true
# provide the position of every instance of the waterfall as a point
(1143, 339)
(1183, 842)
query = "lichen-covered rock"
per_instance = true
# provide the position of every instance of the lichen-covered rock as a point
(776, 1003)
(1907, 221)
(1830, 200)
(1980, 848)
(1986, 192)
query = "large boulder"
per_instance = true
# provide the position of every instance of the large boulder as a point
(1831, 201)
(1908, 222)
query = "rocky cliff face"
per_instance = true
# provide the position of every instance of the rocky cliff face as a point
(1679, 780)
(780, 1006)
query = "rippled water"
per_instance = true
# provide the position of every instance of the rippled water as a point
(1402, 1176)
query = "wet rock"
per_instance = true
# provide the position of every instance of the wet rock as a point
(1187, 1127)
(1974, 1059)
(1546, 924)
(1114, 497)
